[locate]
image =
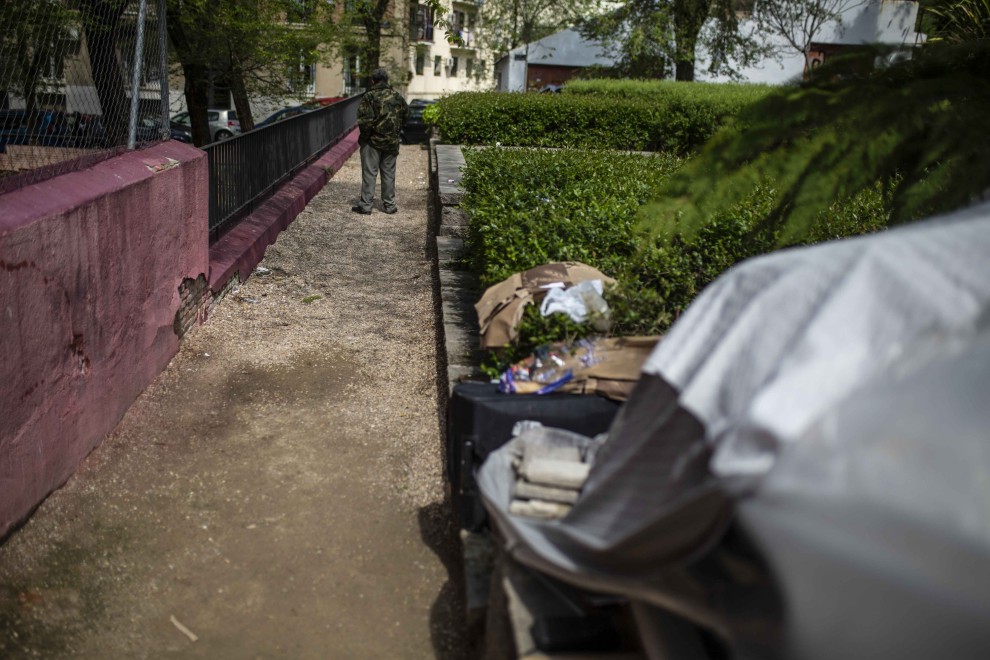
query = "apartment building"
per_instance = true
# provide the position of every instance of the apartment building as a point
(437, 66)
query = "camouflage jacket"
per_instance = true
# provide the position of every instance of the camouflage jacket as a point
(381, 114)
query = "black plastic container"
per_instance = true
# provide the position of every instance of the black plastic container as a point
(480, 420)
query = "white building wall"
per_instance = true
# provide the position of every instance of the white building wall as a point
(889, 22)
(565, 48)
(435, 82)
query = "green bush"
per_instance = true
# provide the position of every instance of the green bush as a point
(530, 207)
(730, 97)
(678, 121)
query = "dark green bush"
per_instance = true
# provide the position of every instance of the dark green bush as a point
(530, 207)
(678, 121)
(729, 97)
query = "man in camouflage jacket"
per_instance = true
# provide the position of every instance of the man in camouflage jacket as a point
(381, 114)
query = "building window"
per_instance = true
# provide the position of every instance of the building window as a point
(420, 23)
(302, 79)
(463, 27)
(470, 67)
(453, 67)
(420, 63)
(436, 65)
(352, 75)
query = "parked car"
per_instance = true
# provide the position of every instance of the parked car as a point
(415, 130)
(223, 123)
(49, 128)
(149, 130)
(283, 114)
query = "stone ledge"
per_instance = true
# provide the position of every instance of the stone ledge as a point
(453, 216)
(449, 248)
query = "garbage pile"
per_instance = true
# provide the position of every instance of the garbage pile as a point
(804, 453)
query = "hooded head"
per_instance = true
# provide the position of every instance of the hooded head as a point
(379, 76)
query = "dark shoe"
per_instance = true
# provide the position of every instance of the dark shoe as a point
(358, 209)
(392, 210)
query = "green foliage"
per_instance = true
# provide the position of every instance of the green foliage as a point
(677, 121)
(34, 34)
(653, 38)
(916, 127)
(512, 23)
(956, 21)
(530, 207)
(431, 113)
(729, 98)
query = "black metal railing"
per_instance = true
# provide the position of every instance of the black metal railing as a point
(247, 168)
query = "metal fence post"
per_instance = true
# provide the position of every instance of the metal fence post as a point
(163, 57)
(136, 77)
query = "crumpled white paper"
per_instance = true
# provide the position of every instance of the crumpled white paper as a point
(579, 301)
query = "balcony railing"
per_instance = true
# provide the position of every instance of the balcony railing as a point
(246, 169)
(467, 36)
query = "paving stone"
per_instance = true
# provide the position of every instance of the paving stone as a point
(459, 373)
(462, 345)
(449, 248)
(460, 314)
(457, 279)
(453, 216)
(450, 161)
(453, 231)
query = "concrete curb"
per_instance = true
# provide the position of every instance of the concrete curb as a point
(457, 339)
(458, 289)
(243, 247)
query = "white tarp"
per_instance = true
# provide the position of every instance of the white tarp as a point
(762, 354)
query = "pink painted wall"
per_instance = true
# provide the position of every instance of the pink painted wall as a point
(90, 267)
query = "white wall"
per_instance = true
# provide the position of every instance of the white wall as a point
(875, 22)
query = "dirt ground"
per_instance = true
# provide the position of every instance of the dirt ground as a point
(277, 492)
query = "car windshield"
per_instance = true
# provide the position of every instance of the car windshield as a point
(181, 118)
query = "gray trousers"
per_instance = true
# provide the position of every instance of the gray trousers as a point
(371, 161)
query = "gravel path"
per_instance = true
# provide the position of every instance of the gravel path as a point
(278, 490)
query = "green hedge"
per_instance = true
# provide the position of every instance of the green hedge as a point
(530, 207)
(677, 122)
(729, 96)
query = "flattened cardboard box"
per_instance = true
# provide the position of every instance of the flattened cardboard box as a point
(501, 306)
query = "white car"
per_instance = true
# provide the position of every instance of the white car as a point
(223, 123)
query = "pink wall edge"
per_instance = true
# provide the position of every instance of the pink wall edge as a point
(90, 268)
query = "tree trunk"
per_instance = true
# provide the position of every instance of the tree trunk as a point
(197, 102)
(684, 71)
(689, 17)
(241, 101)
(373, 48)
(102, 18)
(196, 75)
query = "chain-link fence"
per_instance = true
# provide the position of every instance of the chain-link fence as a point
(79, 80)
